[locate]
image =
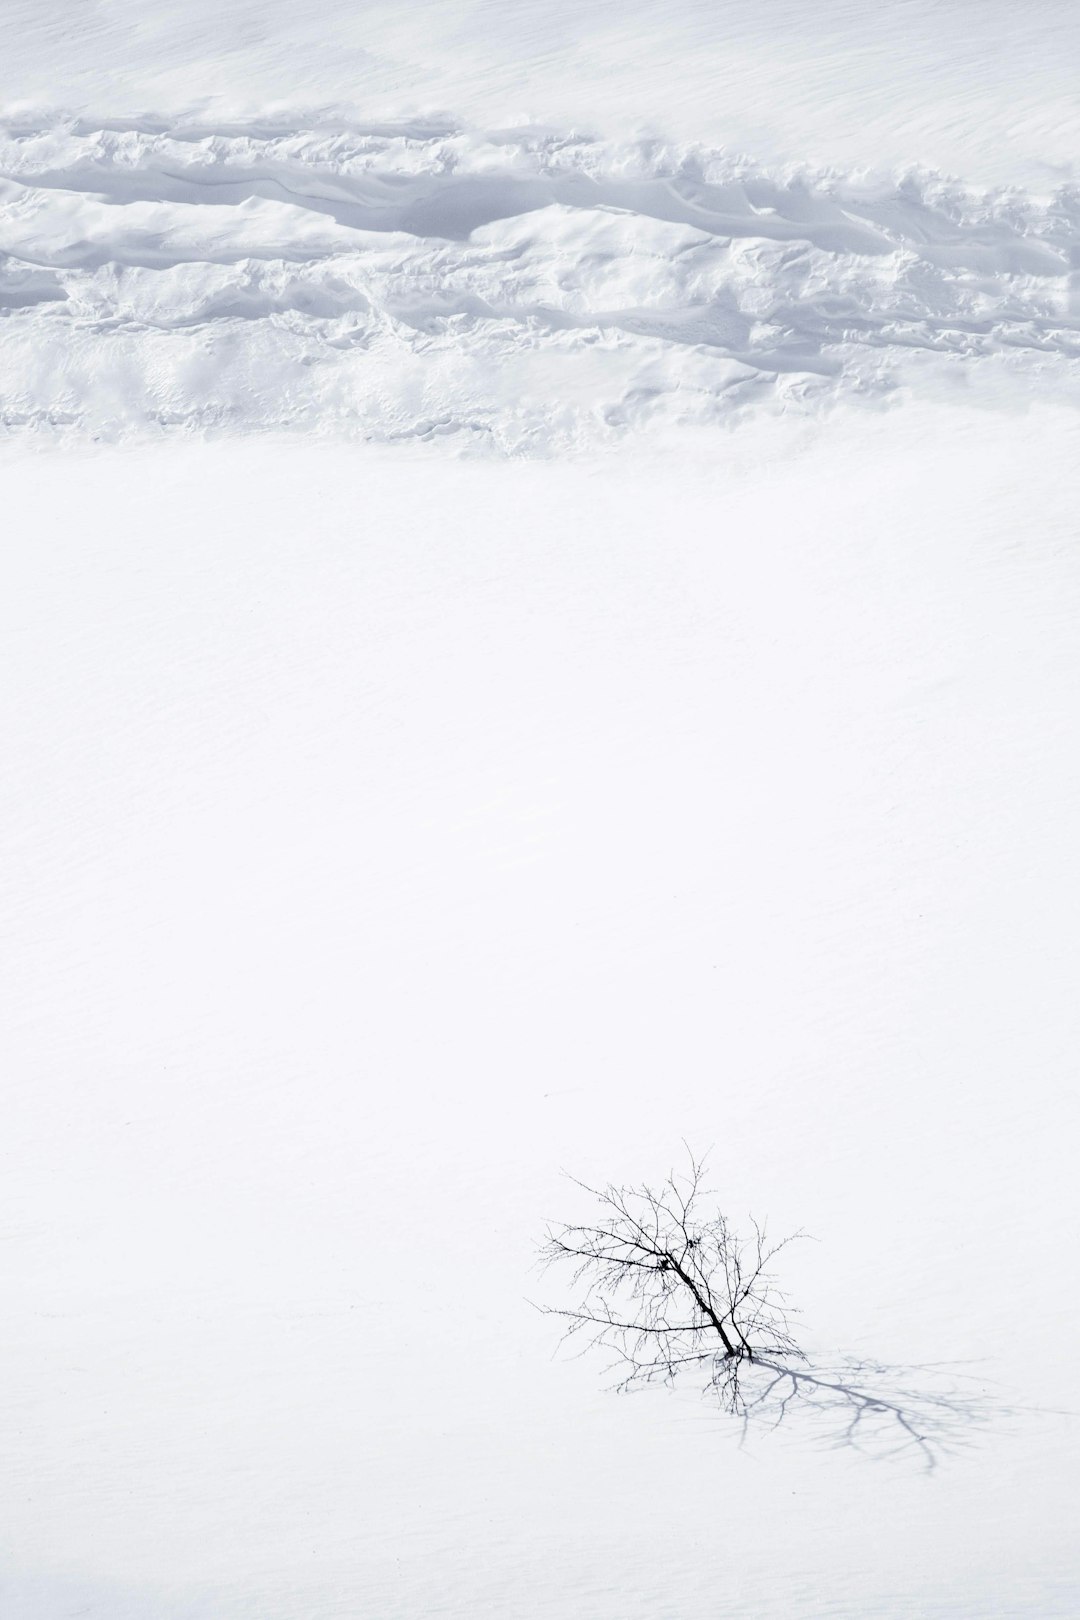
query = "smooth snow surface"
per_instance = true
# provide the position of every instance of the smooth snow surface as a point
(981, 88)
(387, 833)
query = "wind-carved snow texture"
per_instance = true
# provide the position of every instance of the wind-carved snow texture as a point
(529, 290)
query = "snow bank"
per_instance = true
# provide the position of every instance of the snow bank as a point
(525, 291)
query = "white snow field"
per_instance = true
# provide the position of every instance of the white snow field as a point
(538, 601)
(386, 833)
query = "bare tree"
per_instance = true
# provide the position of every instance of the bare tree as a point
(670, 1289)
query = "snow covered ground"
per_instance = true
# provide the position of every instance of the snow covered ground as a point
(539, 586)
(388, 833)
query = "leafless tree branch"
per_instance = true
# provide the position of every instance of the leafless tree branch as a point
(668, 1288)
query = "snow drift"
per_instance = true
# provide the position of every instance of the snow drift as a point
(527, 290)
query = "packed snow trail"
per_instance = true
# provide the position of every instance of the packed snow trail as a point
(530, 290)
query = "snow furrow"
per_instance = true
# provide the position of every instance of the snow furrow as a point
(533, 289)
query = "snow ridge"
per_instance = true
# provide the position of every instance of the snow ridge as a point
(532, 290)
